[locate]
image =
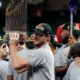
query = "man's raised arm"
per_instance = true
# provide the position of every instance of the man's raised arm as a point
(20, 64)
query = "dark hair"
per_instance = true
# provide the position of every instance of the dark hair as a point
(66, 26)
(74, 51)
(55, 43)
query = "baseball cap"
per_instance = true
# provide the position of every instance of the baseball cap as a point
(66, 26)
(43, 29)
(76, 28)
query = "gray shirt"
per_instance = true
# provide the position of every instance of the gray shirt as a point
(42, 64)
(61, 56)
(11, 71)
(3, 69)
(73, 72)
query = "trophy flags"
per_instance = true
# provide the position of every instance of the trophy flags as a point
(73, 8)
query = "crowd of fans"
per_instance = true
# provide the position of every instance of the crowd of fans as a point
(40, 55)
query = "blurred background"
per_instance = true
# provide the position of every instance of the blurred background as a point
(3, 5)
(54, 12)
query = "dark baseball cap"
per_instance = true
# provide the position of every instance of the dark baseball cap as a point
(75, 28)
(66, 26)
(43, 29)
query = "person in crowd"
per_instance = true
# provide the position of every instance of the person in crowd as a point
(22, 41)
(58, 62)
(73, 72)
(36, 63)
(61, 58)
(4, 60)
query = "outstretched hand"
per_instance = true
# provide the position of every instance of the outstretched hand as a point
(13, 37)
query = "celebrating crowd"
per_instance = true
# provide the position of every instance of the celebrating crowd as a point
(40, 56)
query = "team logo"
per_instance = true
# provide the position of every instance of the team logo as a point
(40, 27)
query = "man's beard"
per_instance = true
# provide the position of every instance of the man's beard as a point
(65, 39)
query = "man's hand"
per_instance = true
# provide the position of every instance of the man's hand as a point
(13, 37)
(5, 47)
(2, 53)
(71, 40)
